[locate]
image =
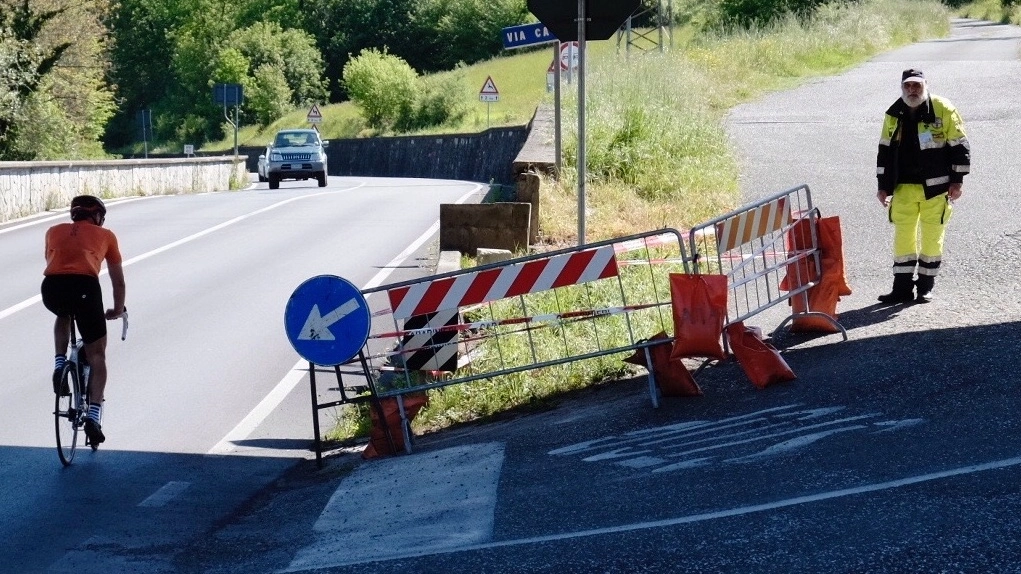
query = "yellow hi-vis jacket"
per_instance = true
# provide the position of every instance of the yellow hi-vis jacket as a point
(945, 153)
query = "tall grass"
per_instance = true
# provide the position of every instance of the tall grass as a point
(993, 10)
(657, 154)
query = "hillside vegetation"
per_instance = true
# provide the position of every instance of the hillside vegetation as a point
(657, 152)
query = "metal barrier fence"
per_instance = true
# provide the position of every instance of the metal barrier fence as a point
(501, 320)
(752, 246)
(497, 322)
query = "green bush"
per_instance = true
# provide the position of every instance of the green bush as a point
(382, 85)
(440, 100)
(392, 97)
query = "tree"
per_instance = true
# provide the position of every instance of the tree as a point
(142, 58)
(55, 57)
(291, 52)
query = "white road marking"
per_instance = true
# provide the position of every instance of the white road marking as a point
(165, 494)
(423, 504)
(401, 552)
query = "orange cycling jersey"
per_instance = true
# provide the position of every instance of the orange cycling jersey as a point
(79, 248)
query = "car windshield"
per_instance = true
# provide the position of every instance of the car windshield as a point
(295, 139)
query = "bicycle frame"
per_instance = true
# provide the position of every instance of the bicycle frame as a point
(77, 374)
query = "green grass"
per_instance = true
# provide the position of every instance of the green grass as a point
(658, 154)
(992, 10)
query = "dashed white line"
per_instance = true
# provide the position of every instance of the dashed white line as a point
(165, 494)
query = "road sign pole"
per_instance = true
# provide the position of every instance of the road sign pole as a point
(581, 122)
(557, 131)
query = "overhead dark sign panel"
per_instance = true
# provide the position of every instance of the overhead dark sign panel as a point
(602, 17)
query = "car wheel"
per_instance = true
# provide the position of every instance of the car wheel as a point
(262, 179)
(274, 181)
(321, 177)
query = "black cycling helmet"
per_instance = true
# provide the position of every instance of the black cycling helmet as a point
(88, 207)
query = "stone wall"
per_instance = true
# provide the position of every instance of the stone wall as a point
(484, 157)
(28, 187)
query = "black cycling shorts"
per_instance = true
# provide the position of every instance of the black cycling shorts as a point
(78, 295)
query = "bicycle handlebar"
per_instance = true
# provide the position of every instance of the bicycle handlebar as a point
(124, 320)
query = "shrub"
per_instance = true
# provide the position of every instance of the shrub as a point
(440, 100)
(382, 85)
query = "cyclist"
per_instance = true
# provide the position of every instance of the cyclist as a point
(74, 254)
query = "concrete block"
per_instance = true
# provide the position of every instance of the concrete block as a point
(467, 227)
(448, 261)
(485, 256)
(528, 192)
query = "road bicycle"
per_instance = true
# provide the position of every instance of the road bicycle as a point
(72, 403)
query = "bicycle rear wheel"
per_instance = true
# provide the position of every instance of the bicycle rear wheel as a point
(67, 415)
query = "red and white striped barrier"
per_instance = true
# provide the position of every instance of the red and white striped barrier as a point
(500, 283)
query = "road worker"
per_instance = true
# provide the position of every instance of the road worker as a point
(923, 157)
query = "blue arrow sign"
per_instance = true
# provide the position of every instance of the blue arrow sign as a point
(327, 320)
(526, 35)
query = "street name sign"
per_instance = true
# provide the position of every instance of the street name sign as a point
(526, 35)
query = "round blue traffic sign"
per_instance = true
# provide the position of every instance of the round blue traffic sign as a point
(327, 320)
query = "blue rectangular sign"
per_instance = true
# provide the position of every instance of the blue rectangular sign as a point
(526, 35)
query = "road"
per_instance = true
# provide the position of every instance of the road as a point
(898, 450)
(205, 406)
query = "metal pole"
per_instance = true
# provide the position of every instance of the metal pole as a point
(315, 414)
(556, 110)
(581, 122)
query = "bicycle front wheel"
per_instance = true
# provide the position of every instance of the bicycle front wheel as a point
(67, 415)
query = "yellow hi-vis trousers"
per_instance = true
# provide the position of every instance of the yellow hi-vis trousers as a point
(919, 225)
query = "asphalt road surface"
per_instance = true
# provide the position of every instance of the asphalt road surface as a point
(898, 450)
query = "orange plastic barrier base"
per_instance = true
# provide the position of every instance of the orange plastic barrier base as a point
(378, 444)
(672, 377)
(832, 284)
(759, 360)
(699, 305)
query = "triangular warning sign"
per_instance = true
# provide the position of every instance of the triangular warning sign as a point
(489, 87)
(314, 112)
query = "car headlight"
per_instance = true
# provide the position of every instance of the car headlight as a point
(275, 156)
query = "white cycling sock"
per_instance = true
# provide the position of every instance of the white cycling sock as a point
(58, 362)
(95, 412)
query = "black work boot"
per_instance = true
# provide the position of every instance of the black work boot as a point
(924, 285)
(903, 289)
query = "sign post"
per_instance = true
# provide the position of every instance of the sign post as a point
(489, 94)
(230, 95)
(581, 20)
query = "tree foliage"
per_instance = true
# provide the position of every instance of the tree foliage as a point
(382, 85)
(54, 101)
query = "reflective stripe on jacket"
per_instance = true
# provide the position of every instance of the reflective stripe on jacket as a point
(945, 156)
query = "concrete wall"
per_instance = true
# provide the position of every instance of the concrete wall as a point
(28, 187)
(469, 227)
(484, 157)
